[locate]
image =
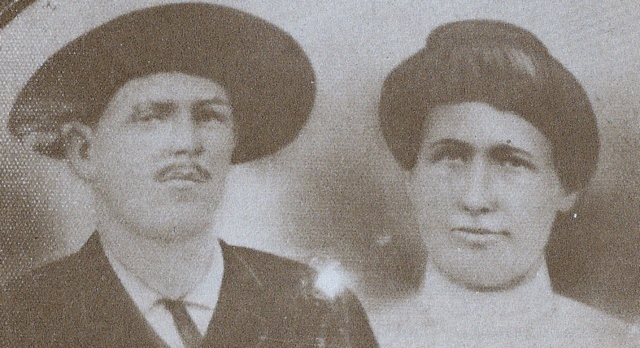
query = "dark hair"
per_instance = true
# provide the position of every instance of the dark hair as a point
(504, 66)
(268, 76)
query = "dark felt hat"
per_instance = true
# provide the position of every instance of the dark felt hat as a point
(268, 76)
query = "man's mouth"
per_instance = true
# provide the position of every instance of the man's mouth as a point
(183, 172)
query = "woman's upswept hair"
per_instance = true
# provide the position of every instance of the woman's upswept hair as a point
(504, 66)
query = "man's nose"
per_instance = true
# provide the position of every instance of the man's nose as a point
(477, 196)
(186, 135)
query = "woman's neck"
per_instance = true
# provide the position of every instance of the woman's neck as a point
(448, 301)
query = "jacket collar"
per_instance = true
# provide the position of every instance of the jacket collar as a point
(239, 320)
(108, 313)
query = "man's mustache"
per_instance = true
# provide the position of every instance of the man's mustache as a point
(191, 171)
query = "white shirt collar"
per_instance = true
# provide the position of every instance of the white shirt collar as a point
(204, 295)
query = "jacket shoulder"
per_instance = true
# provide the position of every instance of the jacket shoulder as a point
(47, 282)
(328, 282)
(304, 301)
(272, 270)
(39, 303)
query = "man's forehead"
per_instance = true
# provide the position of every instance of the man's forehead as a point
(172, 87)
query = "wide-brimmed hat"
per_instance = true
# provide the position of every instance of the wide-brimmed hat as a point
(268, 76)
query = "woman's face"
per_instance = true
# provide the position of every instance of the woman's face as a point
(486, 194)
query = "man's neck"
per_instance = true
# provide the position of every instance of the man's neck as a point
(172, 268)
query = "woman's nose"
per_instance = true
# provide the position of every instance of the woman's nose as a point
(476, 196)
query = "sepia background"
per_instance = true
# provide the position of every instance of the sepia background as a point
(336, 192)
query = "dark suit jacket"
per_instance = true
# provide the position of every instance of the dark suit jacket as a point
(265, 301)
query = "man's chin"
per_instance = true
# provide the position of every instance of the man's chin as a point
(169, 228)
(178, 235)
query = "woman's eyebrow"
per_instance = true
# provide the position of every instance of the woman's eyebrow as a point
(449, 142)
(504, 149)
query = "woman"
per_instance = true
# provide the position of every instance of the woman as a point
(497, 139)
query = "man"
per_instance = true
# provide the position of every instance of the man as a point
(151, 110)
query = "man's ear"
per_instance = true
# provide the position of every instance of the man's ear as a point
(78, 137)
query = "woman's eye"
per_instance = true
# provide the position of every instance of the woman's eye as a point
(450, 155)
(516, 162)
(508, 156)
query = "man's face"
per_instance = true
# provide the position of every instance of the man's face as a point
(160, 155)
(486, 194)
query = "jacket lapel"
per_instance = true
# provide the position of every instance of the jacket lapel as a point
(238, 320)
(110, 314)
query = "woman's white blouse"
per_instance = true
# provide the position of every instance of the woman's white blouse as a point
(445, 315)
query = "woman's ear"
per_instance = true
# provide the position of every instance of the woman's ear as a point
(408, 179)
(78, 137)
(567, 201)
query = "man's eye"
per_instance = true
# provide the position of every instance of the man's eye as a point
(208, 113)
(146, 113)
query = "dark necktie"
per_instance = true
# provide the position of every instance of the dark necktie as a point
(187, 329)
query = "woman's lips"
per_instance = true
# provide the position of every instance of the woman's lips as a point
(480, 231)
(479, 236)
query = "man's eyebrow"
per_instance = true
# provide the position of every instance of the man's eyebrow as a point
(506, 149)
(214, 100)
(154, 106)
